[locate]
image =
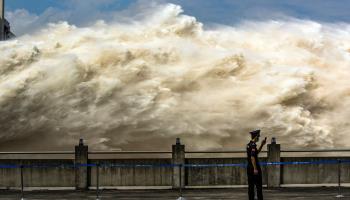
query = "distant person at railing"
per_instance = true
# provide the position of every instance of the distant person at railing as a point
(253, 168)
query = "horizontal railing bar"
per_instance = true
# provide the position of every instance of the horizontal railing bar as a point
(169, 152)
(283, 151)
(195, 152)
(41, 152)
(314, 150)
(130, 152)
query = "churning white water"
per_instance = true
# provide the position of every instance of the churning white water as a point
(141, 84)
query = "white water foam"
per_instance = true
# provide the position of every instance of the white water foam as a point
(142, 84)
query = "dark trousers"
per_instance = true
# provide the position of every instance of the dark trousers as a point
(255, 180)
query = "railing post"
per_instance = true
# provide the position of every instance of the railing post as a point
(97, 181)
(22, 184)
(180, 188)
(273, 171)
(339, 180)
(81, 172)
(178, 158)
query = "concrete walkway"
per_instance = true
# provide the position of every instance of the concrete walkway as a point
(193, 194)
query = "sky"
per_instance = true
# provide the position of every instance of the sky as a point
(31, 14)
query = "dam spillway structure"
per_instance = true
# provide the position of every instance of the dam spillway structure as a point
(5, 30)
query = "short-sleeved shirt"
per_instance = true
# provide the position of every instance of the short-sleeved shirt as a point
(252, 151)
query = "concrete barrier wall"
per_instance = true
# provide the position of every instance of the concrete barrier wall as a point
(37, 177)
(162, 176)
(315, 173)
(129, 176)
(215, 176)
(132, 176)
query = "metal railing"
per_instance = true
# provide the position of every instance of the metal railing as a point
(180, 167)
(314, 150)
(38, 152)
(130, 152)
(227, 151)
(169, 152)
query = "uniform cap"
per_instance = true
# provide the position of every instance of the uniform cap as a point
(255, 133)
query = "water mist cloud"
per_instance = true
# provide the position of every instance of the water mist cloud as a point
(123, 85)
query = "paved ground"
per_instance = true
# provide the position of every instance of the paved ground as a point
(193, 194)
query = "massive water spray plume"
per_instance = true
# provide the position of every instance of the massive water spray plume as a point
(141, 84)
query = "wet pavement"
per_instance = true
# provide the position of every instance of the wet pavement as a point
(322, 193)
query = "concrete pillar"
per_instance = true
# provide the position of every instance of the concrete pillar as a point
(178, 157)
(2, 20)
(81, 173)
(273, 171)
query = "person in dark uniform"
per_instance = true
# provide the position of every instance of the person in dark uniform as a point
(253, 168)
